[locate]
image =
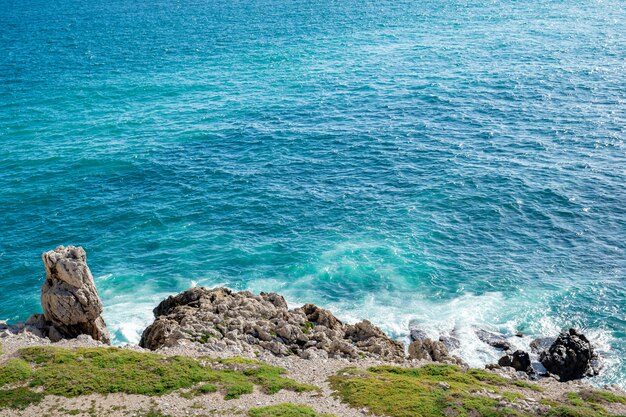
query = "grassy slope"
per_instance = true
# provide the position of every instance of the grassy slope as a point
(429, 391)
(445, 390)
(77, 372)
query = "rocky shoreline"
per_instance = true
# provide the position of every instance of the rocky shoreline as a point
(309, 341)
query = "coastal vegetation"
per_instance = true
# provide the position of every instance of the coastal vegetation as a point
(310, 341)
(285, 410)
(446, 390)
(70, 373)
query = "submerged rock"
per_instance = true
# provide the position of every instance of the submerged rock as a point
(70, 301)
(495, 340)
(570, 356)
(417, 334)
(221, 319)
(540, 344)
(450, 342)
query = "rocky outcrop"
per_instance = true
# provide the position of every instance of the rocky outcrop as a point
(221, 319)
(71, 305)
(518, 360)
(570, 356)
(450, 342)
(432, 350)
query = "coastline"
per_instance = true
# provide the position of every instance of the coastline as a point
(230, 353)
(315, 371)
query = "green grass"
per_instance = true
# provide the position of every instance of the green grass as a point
(155, 413)
(596, 396)
(307, 327)
(71, 373)
(529, 385)
(14, 370)
(446, 390)
(19, 398)
(285, 410)
(410, 392)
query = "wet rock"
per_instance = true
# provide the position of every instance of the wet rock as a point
(495, 340)
(570, 356)
(518, 360)
(220, 318)
(450, 342)
(417, 334)
(540, 344)
(70, 301)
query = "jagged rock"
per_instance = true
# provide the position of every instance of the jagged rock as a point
(370, 338)
(70, 301)
(519, 360)
(570, 356)
(432, 350)
(540, 344)
(220, 318)
(495, 340)
(321, 317)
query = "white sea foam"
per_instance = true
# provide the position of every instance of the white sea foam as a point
(127, 316)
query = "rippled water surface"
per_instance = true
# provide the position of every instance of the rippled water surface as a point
(442, 164)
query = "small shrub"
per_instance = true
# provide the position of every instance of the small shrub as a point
(14, 370)
(285, 410)
(19, 398)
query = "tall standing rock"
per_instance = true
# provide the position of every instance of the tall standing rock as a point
(70, 301)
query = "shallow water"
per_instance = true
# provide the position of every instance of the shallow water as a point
(441, 164)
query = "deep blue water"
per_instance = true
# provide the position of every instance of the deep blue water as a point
(444, 164)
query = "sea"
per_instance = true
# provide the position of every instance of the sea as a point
(444, 165)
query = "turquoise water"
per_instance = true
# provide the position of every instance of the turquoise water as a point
(442, 164)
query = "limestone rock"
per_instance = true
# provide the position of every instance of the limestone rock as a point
(70, 301)
(570, 357)
(220, 318)
(432, 350)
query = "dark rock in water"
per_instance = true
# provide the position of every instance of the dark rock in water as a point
(540, 344)
(519, 360)
(221, 319)
(570, 356)
(495, 340)
(450, 342)
(70, 301)
(417, 334)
